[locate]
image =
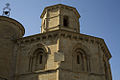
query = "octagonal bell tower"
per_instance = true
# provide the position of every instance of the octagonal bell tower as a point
(58, 17)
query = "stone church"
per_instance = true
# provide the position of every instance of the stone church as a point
(59, 52)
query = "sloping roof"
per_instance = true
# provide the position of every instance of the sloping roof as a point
(7, 19)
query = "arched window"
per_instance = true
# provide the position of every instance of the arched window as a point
(65, 21)
(80, 61)
(39, 57)
(38, 60)
(79, 58)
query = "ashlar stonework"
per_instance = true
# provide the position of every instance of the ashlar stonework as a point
(59, 52)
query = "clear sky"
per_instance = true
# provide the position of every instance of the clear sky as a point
(100, 18)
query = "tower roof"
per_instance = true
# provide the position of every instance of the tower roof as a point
(60, 6)
(10, 20)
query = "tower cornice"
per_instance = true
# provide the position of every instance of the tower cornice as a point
(60, 6)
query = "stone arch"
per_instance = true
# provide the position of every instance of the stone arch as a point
(82, 47)
(81, 58)
(38, 57)
(40, 45)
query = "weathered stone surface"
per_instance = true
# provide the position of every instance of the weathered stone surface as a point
(59, 52)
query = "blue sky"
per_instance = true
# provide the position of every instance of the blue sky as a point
(100, 18)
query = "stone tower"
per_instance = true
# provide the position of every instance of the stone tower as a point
(60, 17)
(59, 52)
(10, 31)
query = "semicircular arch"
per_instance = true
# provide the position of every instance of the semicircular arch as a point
(39, 46)
(79, 47)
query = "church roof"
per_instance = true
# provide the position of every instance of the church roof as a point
(10, 20)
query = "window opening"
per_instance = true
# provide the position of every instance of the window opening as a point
(40, 59)
(78, 59)
(65, 21)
